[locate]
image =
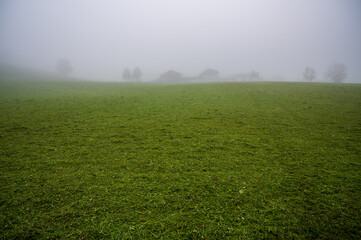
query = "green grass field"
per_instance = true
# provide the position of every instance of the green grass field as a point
(191, 161)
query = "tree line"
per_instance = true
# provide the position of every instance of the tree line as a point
(134, 76)
(335, 73)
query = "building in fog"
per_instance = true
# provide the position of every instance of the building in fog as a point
(170, 76)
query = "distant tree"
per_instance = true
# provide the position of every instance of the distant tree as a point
(209, 74)
(137, 74)
(63, 66)
(254, 76)
(336, 72)
(127, 76)
(309, 74)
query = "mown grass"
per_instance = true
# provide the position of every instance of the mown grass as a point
(193, 161)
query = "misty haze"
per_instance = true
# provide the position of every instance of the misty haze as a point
(180, 119)
(277, 38)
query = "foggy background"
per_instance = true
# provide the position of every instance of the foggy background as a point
(277, 38)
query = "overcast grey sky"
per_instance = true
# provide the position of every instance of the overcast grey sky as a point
(102, 37)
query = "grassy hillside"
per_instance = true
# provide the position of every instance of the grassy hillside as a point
(192, 161)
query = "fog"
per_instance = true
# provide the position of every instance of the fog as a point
(277, 38)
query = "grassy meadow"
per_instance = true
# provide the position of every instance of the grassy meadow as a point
(180, 161)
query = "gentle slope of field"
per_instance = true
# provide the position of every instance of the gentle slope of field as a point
(207, 161)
